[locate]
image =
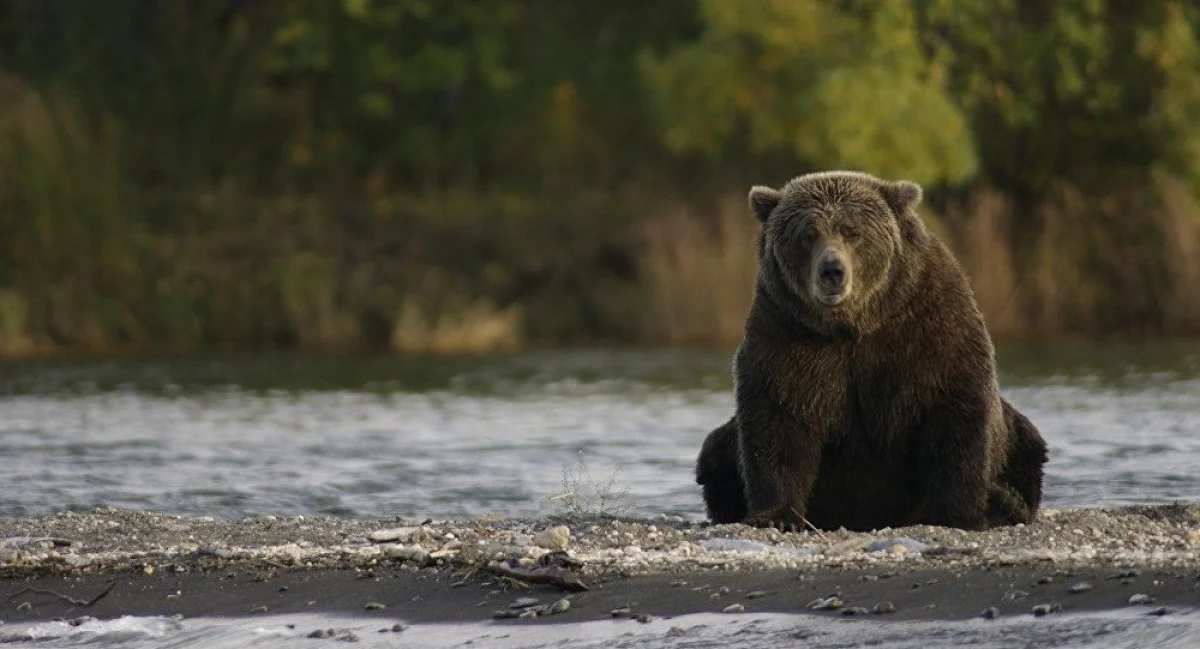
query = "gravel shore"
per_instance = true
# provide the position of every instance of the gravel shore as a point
(111, 539)
(1081, 558)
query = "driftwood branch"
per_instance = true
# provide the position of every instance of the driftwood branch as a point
(66, 598)
(554, 569)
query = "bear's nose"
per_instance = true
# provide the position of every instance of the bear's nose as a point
(832, 272)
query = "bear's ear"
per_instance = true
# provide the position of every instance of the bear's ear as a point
(902, 195)
(763, 201)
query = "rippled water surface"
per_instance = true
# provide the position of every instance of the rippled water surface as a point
(1115, 630)
(443, 437)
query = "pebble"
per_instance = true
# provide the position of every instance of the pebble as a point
(322, 633)
(1159, 611)
(375, 606)
(524, 602)
(528, 613)
(1140, 598)
(855, 610)
(561, 606)
(621, 611)
(990, 613)
(884, 607)
(643, 618)
(733, 608)
(76, 561)
(1046, 609)
(1081, 587)
(554, 538)
(401, 534)
(756, 594)
(24, 606)
(825, 603)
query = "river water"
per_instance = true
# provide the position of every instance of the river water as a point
(531, 434)
(510, 435)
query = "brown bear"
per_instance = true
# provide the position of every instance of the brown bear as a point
(865, 383)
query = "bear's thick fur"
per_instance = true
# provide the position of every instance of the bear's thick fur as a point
(866, 380)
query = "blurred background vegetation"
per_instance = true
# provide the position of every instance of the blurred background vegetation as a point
(475, 175)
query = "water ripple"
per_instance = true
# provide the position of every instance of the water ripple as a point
(491, 436)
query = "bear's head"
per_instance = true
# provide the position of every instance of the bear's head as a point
(838, 247)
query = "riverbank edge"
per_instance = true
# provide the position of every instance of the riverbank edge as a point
(415, 571)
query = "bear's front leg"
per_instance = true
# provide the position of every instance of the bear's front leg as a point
(719, 477)
(779, 461)
(954, 464)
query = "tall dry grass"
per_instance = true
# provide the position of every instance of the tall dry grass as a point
(699, 274)
(1181, 211)
(1088, 265)
(476, 328)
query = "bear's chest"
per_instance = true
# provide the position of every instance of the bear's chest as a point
(861, 394)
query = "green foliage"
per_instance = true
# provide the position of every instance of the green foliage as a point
(311, 172)
(847, 89)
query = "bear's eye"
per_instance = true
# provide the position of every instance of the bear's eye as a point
(849, 232)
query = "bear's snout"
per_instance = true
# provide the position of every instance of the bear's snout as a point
(832, 275)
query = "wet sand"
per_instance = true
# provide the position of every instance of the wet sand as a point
(415, 572)
(416, 597)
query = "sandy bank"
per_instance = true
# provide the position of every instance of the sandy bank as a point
(439, 570)
(111, 539)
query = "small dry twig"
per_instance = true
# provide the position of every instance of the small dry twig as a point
(810, 525)
(66, 598)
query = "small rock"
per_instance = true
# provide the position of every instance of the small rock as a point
(855, 610)
(1081, 587)
(1126, 574)
(1141, 598)
(990, 613)
(826, 603)
(733, 608)
(561, 606)
(643, 618)
(528, 613)
(375, 606)
(397, 628)
(76, 561)
(76, 621)
(1046, 580)
(884, 607)
(554, 538)
(1159, 611)
(524, 602)
(412, 553)
(401, 534)
(756, 594)
(1046, 609)
(24, 606)
(723, 590)
(321, 633)
(621, 611)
